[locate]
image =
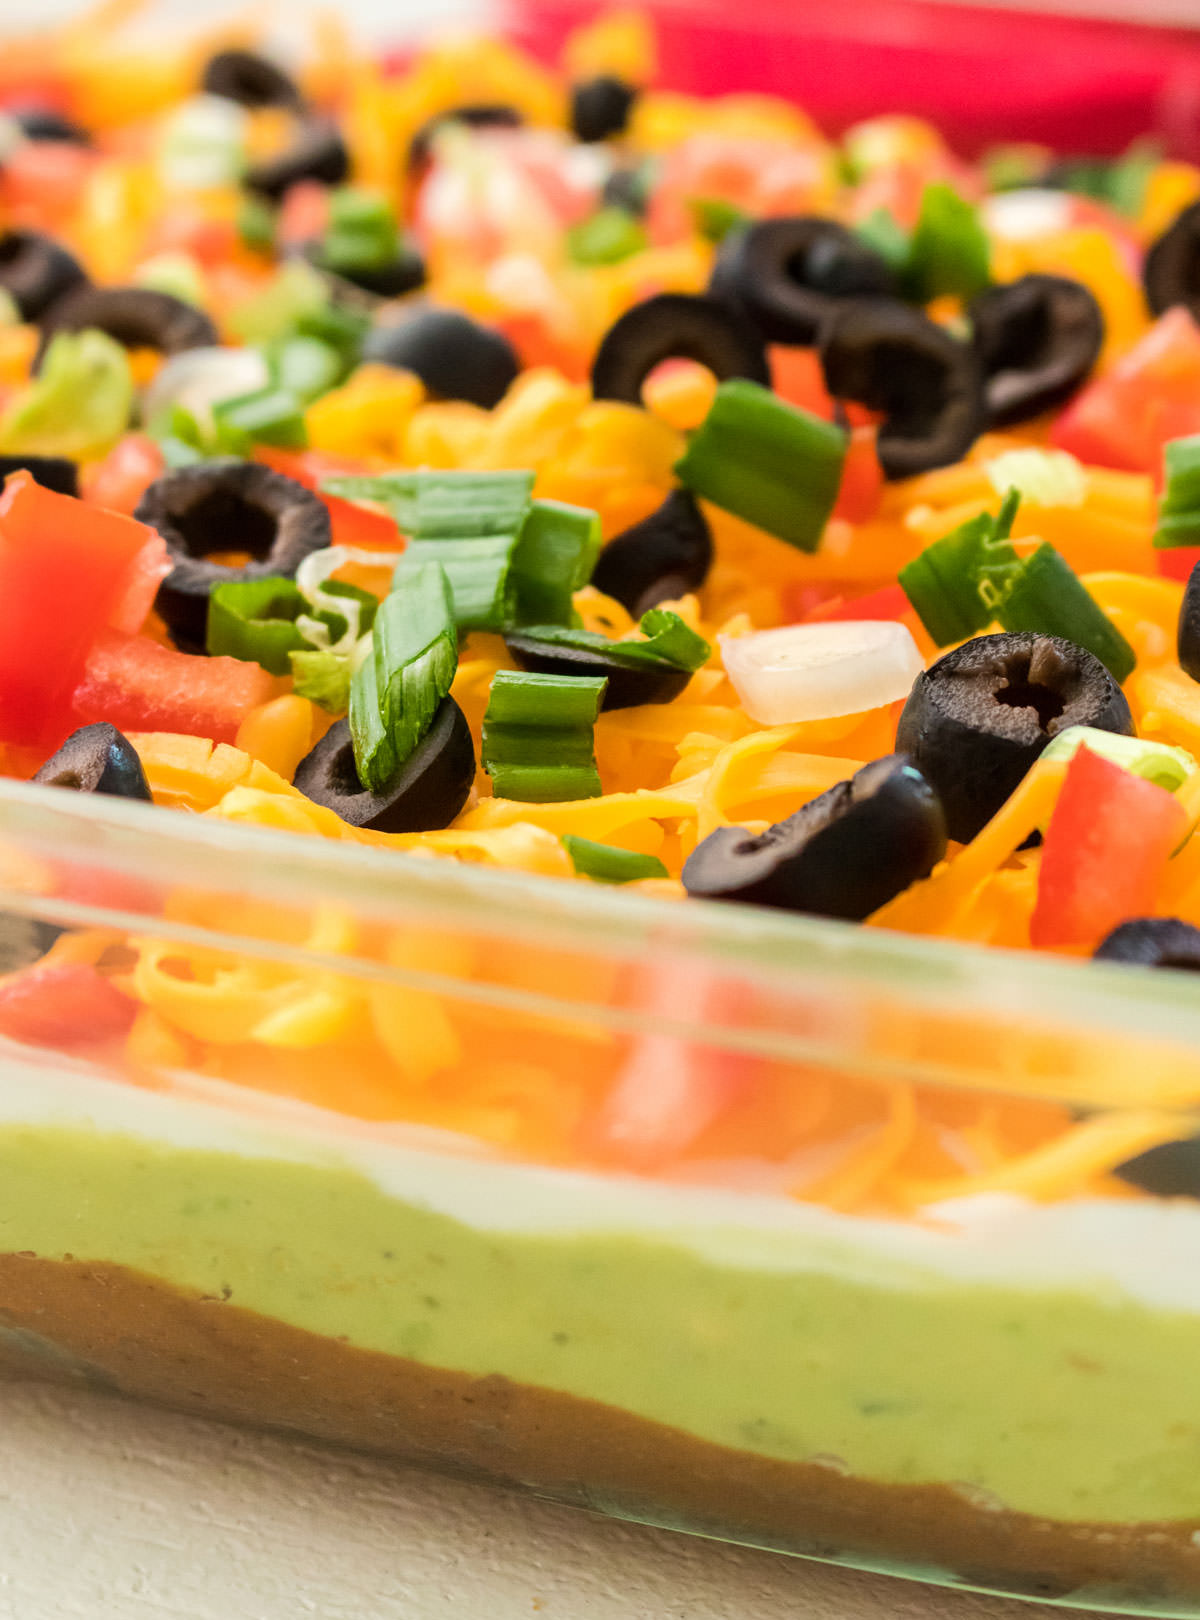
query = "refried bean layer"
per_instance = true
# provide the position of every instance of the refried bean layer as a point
(130, 1333)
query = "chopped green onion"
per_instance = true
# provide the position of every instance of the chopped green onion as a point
(323, 678)
(341, 328)
(272, 416)
(1166, 767)
(78, 405)
(607, 237)
(176, 273)
(668, 641)
(538, 736)
(444, 505)
(882, 231)
(256, 223)
(555, 554)
(304, 366)
(607, 864)
(478, 568)
(255, 620)
(1047, 595)
(956, 584)
(714, 218)
(297, 290)
(362, 233)
(1179, 508)
(1121, 183)
(407, 671)
(1045, 477)
(949, 252)
(767, 462)
(1013, 166)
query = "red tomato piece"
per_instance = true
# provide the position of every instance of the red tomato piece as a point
(304, 213)
(43, 181)
(1151, 396)
(68, 572)
(122, 478)
(888, 603)
(1177, 562)
(862, 479)
(139, 685)
(796, 376)
(1108, 842)
(66, 1004)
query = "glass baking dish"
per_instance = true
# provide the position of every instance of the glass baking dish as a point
(979, 1390)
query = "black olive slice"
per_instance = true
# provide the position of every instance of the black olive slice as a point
(317, 153)
(137, 317)
(250, 80)
(453, 355)
(600, 107)
(1187, 640)
(1157, 942)
(1170, 1170)
(676, 326)
(1037, 339)
(977, 720)
(787, 275)
(664, 556)
(432, 787)
(222, 506)
(36, 272)
(475, 115)
(97, 759)
(893, 359)
(844, 854)
(44, 124)
(51, 472)
(629, 189)
(1171, 273)
(629, 684)
(404, 274)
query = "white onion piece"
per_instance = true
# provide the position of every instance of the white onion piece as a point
(821, 671)
(1029, 212)
(198, 379)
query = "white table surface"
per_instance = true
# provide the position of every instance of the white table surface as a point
(111, 1511)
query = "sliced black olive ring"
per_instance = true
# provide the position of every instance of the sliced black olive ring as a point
(51, 472)
(250, 80)
(1187, 642)
(36, 272)
(600, 107)
(893, 359)
(137, 317)
(976, 721)
(1157, 942)
(317, 153)
(787, 275)
(629, 684)
(404, 274)
(475, 115)
(676, 326)
(430, 790)
(44, 124)
(844, 854)
(227, 506)
(1037, 339)
(453, 355)
(1171, 273)
(664, 556)
(628, 189)
(97, 759)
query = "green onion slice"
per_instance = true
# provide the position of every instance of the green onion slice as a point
(610, 235)
(538, 736)
(1047, 595)
(949, 252)
(1179, 508)
(668, 640)
(322, 677)
(555, 554)
(268, 622)
(272, 416)
(767, 462)
(479, 571)
(607, 864)
(444, 505)
(407, 670)
(957, 583)
(1159, 763)
(715, 218)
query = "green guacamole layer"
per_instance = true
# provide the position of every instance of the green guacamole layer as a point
(1072, 1406)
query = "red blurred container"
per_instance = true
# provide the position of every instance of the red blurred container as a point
(980, 73)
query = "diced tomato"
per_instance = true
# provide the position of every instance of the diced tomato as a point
(1177, 562)
(352, 525)
(670, 1090)
(66, 1004)
(121, 479)
(1151, 396)
(862, 478)
(888, 603)
(1108, 842)
(304, 213)
(68, 572)
(796, 376)
(42, 181)
(139, 685)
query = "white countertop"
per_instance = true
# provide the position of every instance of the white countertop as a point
(111, 1511)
